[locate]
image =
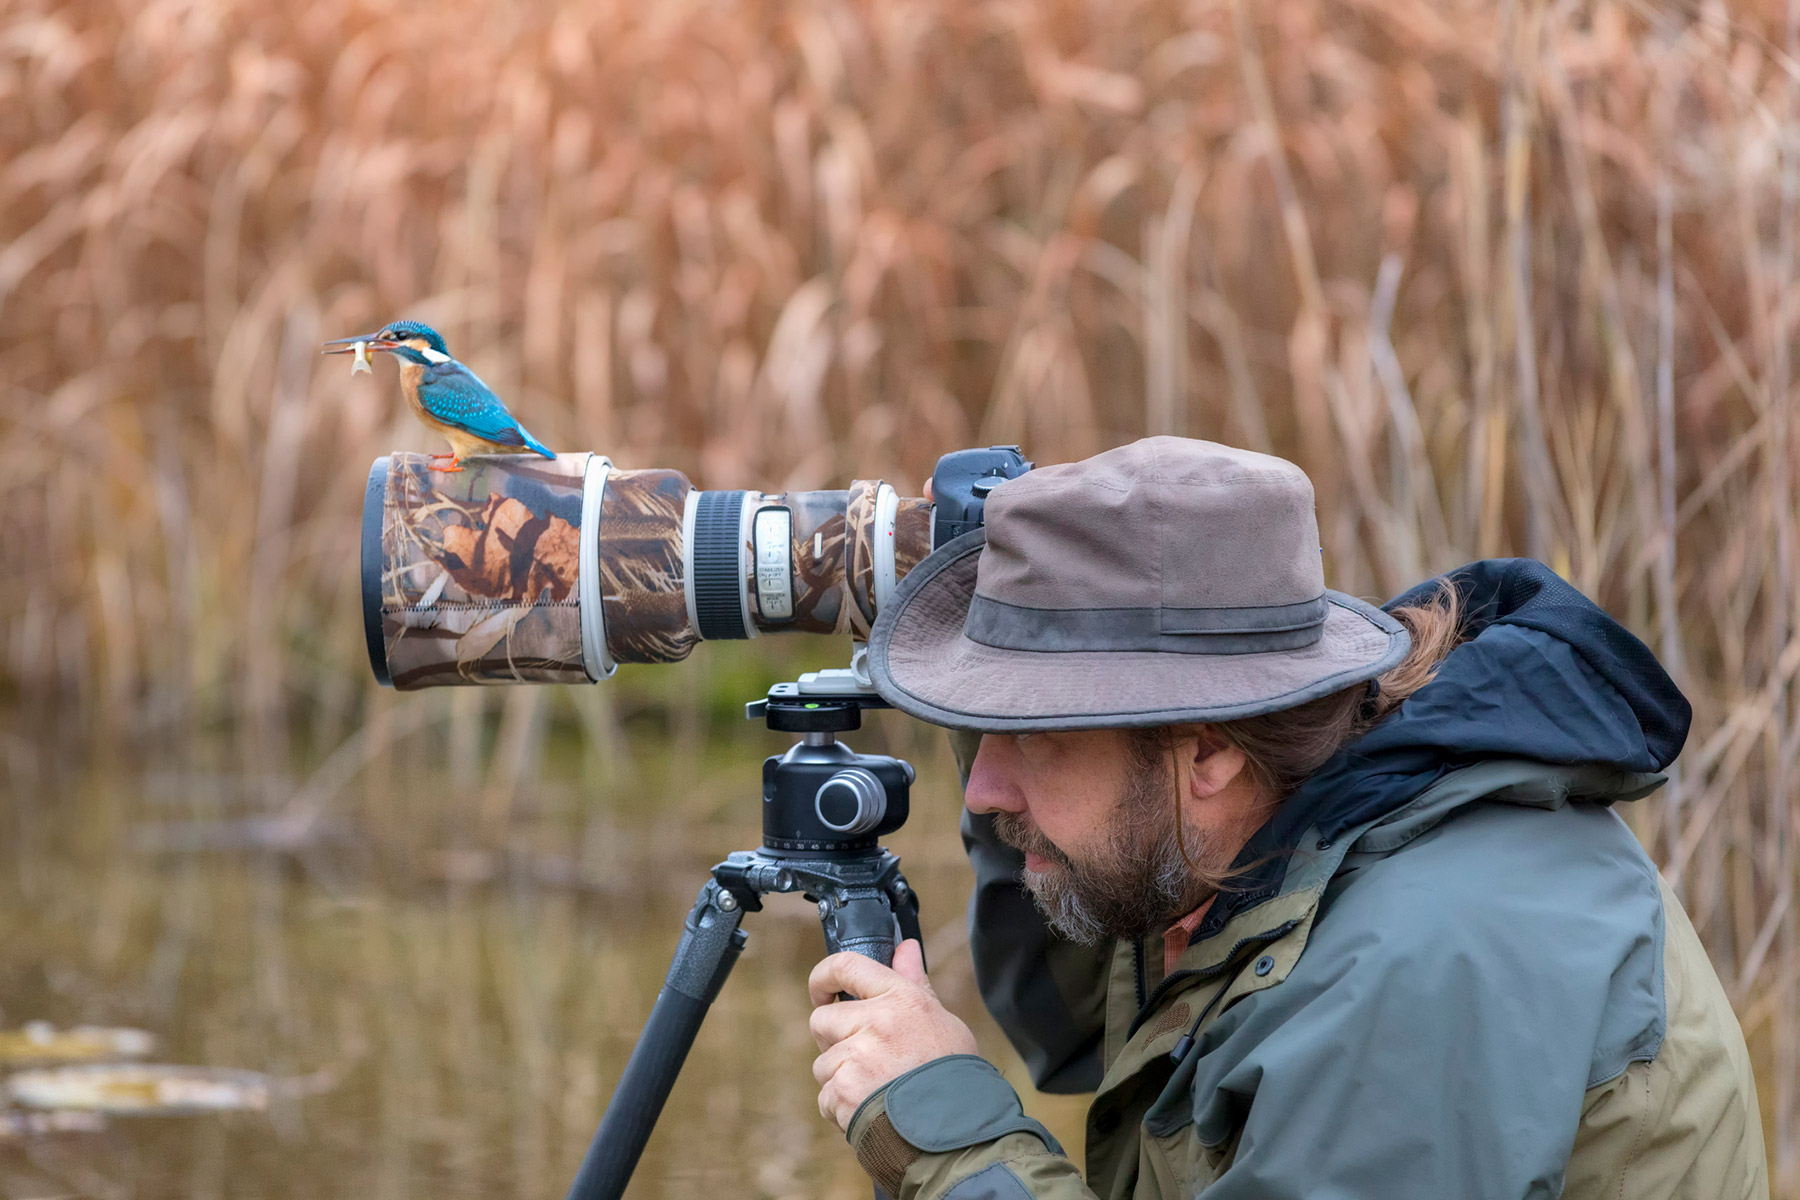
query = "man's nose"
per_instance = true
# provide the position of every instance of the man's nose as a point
(992, 785)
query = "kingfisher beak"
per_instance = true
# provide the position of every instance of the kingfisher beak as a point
(348, 345)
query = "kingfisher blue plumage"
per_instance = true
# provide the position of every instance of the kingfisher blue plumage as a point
(446, 395)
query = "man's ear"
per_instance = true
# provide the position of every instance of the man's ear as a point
(1212, 765)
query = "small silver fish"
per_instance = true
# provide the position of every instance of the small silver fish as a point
(360, 364)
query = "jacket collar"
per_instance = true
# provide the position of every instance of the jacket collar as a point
(1544, 675)
(1294, 895)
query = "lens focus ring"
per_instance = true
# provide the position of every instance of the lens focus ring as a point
(718, 581)
(851, 802)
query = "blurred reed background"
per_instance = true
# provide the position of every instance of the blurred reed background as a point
(1509, 278)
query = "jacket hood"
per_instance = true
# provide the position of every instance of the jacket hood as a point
(1544, 675)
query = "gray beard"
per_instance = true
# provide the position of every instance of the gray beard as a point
(1137, 883)
(1097, 913)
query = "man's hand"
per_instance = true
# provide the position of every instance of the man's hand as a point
(896, 1024)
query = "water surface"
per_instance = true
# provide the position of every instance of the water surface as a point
(442, 939)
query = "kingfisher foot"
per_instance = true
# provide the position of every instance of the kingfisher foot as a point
(455, 464)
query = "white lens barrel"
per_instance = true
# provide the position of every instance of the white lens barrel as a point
(716, 557)
(745, 564)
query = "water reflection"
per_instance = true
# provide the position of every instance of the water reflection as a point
(457, 971)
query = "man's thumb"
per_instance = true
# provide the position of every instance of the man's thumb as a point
(909, 962)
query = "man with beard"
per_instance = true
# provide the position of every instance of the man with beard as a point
(1319, 899)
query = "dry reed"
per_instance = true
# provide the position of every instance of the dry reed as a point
(1503, 279)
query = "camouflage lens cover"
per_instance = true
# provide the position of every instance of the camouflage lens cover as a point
(642, 580)
(476, 575)
(480, 571)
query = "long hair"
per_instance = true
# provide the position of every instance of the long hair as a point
(1283, 748)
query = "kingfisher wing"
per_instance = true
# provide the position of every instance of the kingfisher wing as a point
(456, 396)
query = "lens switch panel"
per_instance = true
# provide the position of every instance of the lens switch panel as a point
(773, 532)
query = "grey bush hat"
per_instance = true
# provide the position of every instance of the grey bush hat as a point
(1167, 581)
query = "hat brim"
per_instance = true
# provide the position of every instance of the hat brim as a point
(924, 665)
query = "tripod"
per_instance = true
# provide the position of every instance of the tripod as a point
(823, 807)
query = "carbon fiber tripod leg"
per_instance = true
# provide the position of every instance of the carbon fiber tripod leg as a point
(709, 946)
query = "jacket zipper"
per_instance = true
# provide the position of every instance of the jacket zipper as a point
(1137, 962)
(1145, 1006)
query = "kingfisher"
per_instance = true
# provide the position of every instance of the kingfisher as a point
(444, 394)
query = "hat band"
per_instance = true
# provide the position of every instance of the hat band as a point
(1162, 630)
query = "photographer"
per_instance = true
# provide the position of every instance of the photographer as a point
(1319, 899)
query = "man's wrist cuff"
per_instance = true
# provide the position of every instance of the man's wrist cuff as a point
(949, 1103)
(882, 1154)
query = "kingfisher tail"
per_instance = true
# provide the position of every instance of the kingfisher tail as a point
(534, 444)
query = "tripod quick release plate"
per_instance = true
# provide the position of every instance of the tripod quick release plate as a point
(815, 705)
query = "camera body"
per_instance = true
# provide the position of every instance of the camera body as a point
(961, 484)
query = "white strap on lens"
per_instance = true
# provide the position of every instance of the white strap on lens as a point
(595, 658)
(689, 504)
(887, 511)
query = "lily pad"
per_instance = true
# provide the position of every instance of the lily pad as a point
(42, 1042)
(141, 1089)
(19, 1126)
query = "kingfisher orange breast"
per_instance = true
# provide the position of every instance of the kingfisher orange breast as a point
(410, 376)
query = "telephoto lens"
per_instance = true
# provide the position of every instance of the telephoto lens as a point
(519, 569)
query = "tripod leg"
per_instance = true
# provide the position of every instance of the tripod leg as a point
(709, 946)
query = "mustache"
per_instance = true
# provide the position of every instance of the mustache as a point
(1017, 831)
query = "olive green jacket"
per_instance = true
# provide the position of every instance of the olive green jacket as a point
(1487, 992)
